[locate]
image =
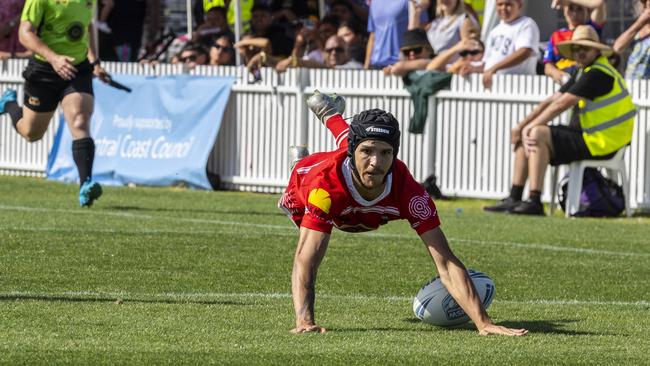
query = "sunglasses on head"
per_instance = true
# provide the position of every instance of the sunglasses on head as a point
(414, 50)
(224, 48)
(469, 52)
(337, 49)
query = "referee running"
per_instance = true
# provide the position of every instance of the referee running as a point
(61, 71)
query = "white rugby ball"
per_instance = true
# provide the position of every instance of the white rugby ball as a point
(434, 305)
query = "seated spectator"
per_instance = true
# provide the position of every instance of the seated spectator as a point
(336, 57)
(215, 23)
(222, 52)
(193, 54)
(468, 52)
(451, 25)
(638, 34)
(262, 26)
(355, 37)
(416, 51)
(387, 22)
(602, 122)
(9, 21)
(511, 47)
(576, 12)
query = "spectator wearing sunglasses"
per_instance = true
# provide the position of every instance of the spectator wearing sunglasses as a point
(222, 52)
(416, 54)
(467, 52)
(337, 56)
(193, 54)
(638, 34)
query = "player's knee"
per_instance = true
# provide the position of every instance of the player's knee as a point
(32, 135)
(80, 121)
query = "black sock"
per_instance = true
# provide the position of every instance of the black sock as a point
(516, 192)
(83, 153)
(536, 196)
(15, 112)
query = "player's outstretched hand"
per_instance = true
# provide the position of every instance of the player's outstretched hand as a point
(500, 330)
(308, 329)
(63, 66)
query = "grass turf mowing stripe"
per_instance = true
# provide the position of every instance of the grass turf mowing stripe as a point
(290, 231)
(112, 296)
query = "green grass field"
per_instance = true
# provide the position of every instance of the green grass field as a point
(168, 276)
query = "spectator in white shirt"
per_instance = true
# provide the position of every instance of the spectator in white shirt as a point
(512, 46)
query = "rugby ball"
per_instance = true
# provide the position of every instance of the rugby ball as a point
(434, 305)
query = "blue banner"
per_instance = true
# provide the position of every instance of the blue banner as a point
(160, 134)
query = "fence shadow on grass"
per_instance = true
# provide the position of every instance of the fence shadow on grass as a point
(193, 210)
(118, 301)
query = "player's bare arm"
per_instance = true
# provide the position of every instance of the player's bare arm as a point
(63, 65)
(98, 70)
(311, 249)
(453, 275)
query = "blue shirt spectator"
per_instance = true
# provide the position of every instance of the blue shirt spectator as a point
(387, 23)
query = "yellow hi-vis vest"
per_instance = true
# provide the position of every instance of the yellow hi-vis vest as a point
(479, 8)
(608, 121)
(246, 13)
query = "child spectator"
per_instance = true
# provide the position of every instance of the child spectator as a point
(576, 12)
(511, 47)
(638, 34)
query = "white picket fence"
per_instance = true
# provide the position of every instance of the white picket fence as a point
(466, 141)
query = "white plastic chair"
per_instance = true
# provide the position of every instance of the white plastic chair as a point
(615, 165)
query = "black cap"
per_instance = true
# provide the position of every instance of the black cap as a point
(415, 38)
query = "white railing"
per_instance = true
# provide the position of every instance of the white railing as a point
(466, 141)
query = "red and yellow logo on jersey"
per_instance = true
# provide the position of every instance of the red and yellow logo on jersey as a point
(321, 199)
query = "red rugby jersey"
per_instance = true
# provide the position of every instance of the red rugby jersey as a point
(321, 195)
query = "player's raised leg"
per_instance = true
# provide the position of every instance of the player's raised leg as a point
(329, 109)
(78, 108)
(29, 123)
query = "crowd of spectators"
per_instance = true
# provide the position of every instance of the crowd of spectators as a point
(396, 36)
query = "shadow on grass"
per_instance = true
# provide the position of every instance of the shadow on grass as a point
(119, 301)
(177, 210)
(533, 326)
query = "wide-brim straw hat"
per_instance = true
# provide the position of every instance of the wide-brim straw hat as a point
(583, 35)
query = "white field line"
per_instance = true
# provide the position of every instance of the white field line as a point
(291, 231)
(188, 296)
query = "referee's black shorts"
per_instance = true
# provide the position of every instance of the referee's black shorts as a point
(570, 146)
(44, 88)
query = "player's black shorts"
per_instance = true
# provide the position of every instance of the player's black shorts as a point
(570, 146)
(44, 88)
